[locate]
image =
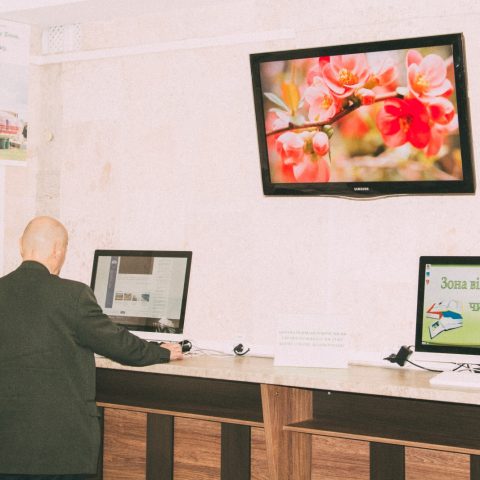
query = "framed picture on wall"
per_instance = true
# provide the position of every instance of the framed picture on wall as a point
(14, 72)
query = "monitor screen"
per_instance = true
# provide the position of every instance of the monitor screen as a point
(367, 119)
(145, 291)
(448, 309)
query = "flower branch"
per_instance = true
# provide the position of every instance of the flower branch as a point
(350, 108)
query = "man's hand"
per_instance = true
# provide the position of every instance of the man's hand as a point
(175, 350)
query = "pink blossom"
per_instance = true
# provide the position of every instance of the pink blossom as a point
(435, 143)
(404, 120)
(281, 121)
(323, 105)
(438, 134)
(427, 76)
(273, 121)
(346, 73)
(320, 143)
(383, 70)
(312, 169)
(444, 121)
(413, 57)
(290, 147)
(316, 70)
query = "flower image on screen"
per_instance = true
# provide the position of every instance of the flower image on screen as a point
(386, 115)
(363, 117)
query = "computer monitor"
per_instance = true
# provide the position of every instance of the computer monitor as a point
(145, 291)
(448, 309)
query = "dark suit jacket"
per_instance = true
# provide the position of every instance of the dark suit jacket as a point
(49, 331)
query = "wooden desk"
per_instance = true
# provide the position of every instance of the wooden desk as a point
(388, 409)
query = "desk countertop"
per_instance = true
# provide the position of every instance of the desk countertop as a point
(392, 382)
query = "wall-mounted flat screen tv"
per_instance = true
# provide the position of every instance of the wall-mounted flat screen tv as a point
(369, 119)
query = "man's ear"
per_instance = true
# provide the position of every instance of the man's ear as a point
(58, 249)
(20, 246)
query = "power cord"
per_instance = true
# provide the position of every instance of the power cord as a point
(405, 352)
(425, 368)
(401, 357)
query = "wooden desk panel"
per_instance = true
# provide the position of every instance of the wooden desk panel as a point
(396, 421)
(203, 398)
(124, 445)
(197, 450)
(198, 444)
(281, 422)
(421, 464)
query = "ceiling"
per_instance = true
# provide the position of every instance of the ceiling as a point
(46, 13)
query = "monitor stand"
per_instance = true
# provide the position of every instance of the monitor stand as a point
(457, 379)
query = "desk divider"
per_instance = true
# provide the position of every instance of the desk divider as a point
(387, 462)
(289, 453)
(235, 452)
(474, 467)
(160, 435)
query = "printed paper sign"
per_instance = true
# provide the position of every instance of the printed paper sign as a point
(311, 341)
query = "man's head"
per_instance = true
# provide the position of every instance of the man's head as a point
(45, 241)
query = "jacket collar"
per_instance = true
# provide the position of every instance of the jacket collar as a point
(33, 265)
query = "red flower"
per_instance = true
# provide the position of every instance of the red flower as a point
(441, 110)
(404, 120)
(444, 121)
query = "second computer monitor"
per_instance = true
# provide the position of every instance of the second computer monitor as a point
(145, 291)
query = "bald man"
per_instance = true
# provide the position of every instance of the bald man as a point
(49, 330)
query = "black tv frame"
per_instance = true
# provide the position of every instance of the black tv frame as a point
(372, 189)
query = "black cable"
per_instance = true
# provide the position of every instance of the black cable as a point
(424, 368)
(458, 367)
(467, 366)
(404, 353)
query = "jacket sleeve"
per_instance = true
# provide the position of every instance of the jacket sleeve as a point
(98, 333)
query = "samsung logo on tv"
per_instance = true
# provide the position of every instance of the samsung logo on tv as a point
(361, 189)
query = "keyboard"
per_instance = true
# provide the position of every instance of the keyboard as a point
(463, 379)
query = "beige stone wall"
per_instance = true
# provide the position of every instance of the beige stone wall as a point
(159, 151)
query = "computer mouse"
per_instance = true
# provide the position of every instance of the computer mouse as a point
(186, 345)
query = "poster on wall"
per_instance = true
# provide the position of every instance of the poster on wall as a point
(14, 62)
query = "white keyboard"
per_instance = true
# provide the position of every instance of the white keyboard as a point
(463, 379)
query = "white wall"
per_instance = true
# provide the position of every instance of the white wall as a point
(159, 151)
